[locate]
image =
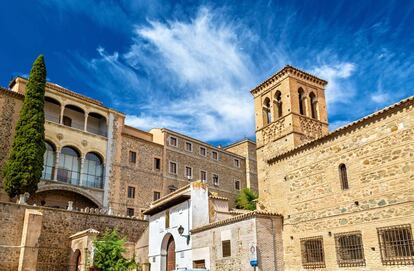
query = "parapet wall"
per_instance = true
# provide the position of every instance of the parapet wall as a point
(54, 245)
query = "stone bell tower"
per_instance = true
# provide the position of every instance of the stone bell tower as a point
(290, 110)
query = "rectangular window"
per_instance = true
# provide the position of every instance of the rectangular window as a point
(173, 141)
(349, 249)
(167, 219)
(157, 195)
(201, 264)
(215, 179)
(157, 163)
(203, 151)
(130, 211)
(312, 252)
(188, 172)
(226, 248)
(396, 245)
(214, 155)
(237, 185)
(236, 162)
(203, 175)
(131, 192)
(173, 168)
(132, 157)
(188, 146)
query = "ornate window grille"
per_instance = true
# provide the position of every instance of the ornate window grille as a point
(349, 249)
(312, 252)
(396, 245)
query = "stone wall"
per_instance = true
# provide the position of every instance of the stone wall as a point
(57, 225)
(141, 175)
(304, 185)
(10, 104)
(247, 149)
(264, 231)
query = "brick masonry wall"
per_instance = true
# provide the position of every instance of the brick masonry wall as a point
(305, 187)
(57, 226)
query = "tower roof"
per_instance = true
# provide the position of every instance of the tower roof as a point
(288, 70)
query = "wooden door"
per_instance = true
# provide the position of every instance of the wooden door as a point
(171, 254)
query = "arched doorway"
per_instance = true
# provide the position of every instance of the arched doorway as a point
(171, 254)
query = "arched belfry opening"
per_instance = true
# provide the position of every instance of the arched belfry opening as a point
(313, 105)
(301, 101)
(277, 105)
(267, 116)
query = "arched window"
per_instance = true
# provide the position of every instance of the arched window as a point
(343, 176)
(93, 170)
(52, 109)
(96, 124)
(314, 105)
(76, 116)
(277, 104)
(266, 112)
(69, 166)
(49, 159)
(301, 101)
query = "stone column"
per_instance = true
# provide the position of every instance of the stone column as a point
(57, 161)
(62, 110)
(85, 128)
(81, 177)
(32, 227)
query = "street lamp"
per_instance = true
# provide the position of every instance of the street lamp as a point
(181, 231)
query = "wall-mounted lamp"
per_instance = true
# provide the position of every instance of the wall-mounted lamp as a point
(181, 231)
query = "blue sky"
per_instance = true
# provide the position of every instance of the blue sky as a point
(189, 66)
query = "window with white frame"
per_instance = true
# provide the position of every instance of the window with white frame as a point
(214, 155)
(203, 176)
(188, 172)
(189, 146)
(173, 167)
(236, 162)
(173, 141)
(203, 151)
(215, 179)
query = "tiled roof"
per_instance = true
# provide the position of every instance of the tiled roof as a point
(217, 197)
(347, 128)
(234, 220)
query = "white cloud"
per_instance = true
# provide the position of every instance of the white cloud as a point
(339, 89)
(380, 97)
(209, 75)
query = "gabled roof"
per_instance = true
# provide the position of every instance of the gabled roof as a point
(180, 195)
(347, 128)
(235, 219)
(288, 70)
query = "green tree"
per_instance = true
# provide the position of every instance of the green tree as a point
(108, 253)
(246, 199)
(23, 169)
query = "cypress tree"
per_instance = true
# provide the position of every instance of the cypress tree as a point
(23, 169)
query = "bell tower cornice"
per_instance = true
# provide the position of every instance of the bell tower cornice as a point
(287, 71)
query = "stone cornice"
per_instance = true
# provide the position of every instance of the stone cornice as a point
(11, 93)
(347, 128)
(288, 70)
(68, 92)
(235, 219)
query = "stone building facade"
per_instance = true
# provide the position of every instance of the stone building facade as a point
(346, 196)
(42, 238)
(95, 160)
